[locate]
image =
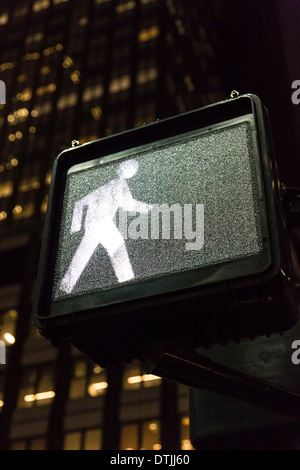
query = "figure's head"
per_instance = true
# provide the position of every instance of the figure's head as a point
(128, 169)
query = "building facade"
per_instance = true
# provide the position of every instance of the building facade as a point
(84, 70)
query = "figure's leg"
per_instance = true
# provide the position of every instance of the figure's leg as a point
(115, 246)
(81, 258)
(121, 264)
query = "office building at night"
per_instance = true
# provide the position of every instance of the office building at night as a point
(81, 71)
(84, 70)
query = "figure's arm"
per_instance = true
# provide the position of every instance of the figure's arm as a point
(131, 204)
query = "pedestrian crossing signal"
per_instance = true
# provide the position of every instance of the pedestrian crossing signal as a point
(173, 230)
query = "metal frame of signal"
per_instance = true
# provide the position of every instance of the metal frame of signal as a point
(199, 372)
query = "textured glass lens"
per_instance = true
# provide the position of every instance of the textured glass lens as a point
(183, 204)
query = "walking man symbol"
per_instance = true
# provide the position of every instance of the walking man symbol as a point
(100, 228)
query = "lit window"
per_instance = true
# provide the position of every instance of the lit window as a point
(6, 189)
(97, 383)
(83, 21)
(6, 66)
(125, 7)
(185, 434)
(130, 437)
(3, 215)
(147, 379)
(23, 212)
(179, 26)
(89, 439)
(134, 379)
(97, 388)
(22, 78)
(36, 37)
(20, 12)
(145, 76)
(3, 19)
(148, 34)
(48, 177)
(24, 95)
(21, 113)
(67, 101)
(38, 443)
(13, 137)
(40, 5)
(119, 84)
(39, 396)
(75, 76)
(44, 204)
(78, 382)
(8, 326)
(18, 116)
(141, 436)
(92, 439)
(57, 2)
(150, 436)
(37, 386)
(45, 70)
(72, 441)
(96, 113)
(32, 56)
(92, 92)
(28, 184)
(189, 83)
(42, 90)
(17, 210)
(27, 387)
(52, 49)
(42, 109)
(67, 62)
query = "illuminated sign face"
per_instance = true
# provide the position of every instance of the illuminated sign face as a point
(177, 206)
(173, 230)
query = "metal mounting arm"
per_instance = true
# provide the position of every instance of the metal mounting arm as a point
(197, 371)
(291, 200)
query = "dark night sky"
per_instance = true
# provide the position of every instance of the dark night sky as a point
(261, 56)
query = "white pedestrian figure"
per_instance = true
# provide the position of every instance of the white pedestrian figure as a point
(100, 228)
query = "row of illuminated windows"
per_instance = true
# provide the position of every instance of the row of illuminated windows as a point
(32, 182)
(40, 5)
(146, 34)
(145, 435)
(88, 380)
(24, 211)
(93, 92)
(141, 435)
(37, 128)
(29, 183)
